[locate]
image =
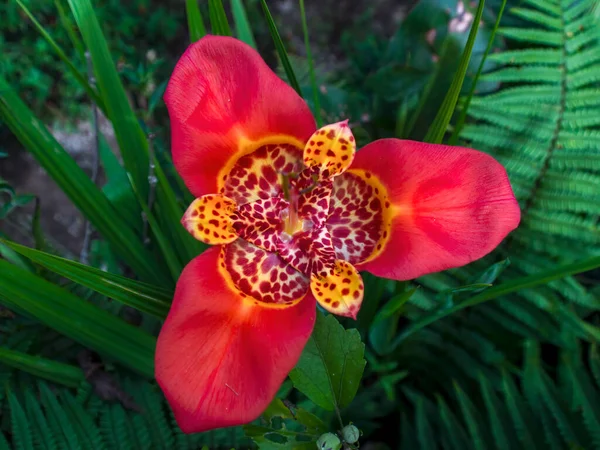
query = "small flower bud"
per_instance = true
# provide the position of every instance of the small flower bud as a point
(329, 441)
(350, 434)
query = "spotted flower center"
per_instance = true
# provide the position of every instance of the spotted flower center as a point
(296, 219)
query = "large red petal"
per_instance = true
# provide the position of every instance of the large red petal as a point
(220, 358)
(451, 205)
(224, 102)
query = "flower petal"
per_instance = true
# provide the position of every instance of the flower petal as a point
(224, 102)
(450, 206)
(330, 149)
(339, 289)
(262, 275)
(220, 359)
(208, 219)
(359, 216)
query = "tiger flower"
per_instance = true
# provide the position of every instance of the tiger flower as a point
(294, 214)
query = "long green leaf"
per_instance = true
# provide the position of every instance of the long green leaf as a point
(218, 19)
(196, 26)
(54, 371)
(242, 26)
(78, 319)
(69, 27)
(74, 182)
(311, 67)
(463, 113)
(132, 141)
(436, 131)
(62, 55)
(502, 289)
(281, 51)
(144, 297)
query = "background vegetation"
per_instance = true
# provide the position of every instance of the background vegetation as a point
(500, 354)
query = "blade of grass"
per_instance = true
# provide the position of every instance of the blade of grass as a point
(48, 369)
(69, 27)
(218, 19)
(144, 297)
(460, 122)
(77, 186)
(501, 289)
(196, 26)
(77, 319)
(311, 67)
(170, 212)
(64, 58)
(132, 141)
(283, 56)
(436, 131)
(426, 94)
(242, 26)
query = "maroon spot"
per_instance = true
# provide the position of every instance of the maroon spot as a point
(335, 304)
(345, 291)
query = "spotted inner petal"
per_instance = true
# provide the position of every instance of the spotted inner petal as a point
(309, 252)
(261, 222)
(208, 219)
(330, 149)
(262, 275)
(360, 216)
(339, 289)
(259, 175)
(313, 204)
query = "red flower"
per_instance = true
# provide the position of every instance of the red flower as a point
(294, 214)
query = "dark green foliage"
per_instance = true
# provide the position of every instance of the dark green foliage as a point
(542, 413)
(51, 417)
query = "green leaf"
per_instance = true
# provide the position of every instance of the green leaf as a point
(331, 366)
(218, 19)
(69, 27)
(132, 141)
(505, 288)
(195, 23)
(76, 318)
(436, 131)
(311, 68)
(242, 26)
(21, 432)
(62, 55)
(54, 371)
(74, 182)
(460, 122)
(283, 56)
(385, 324)
(141, 296)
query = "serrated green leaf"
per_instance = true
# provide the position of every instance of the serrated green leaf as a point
(331, 366)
